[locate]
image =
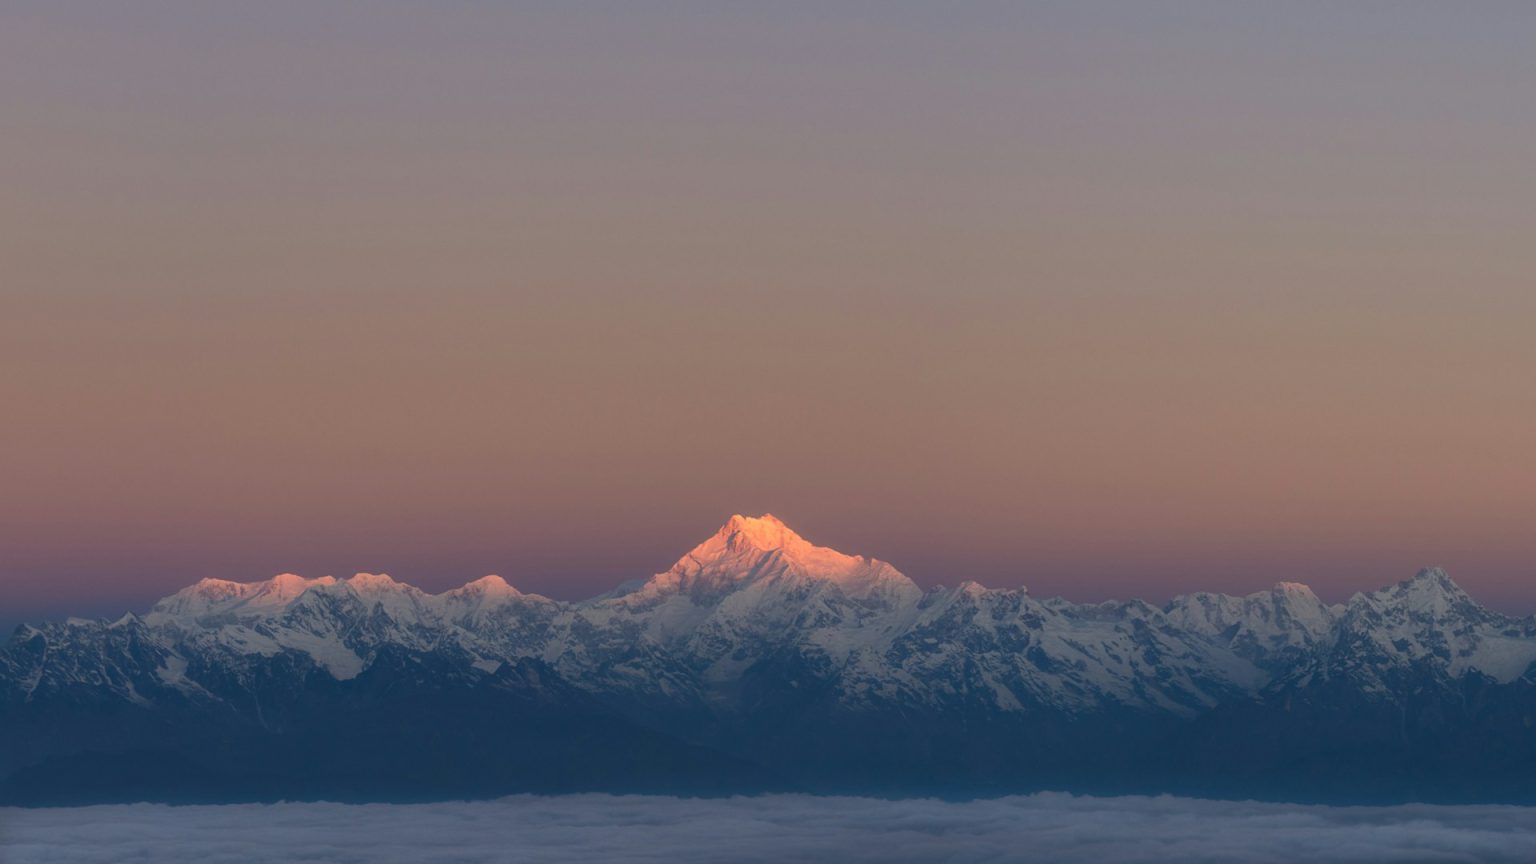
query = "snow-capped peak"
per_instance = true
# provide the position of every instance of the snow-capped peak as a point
(221, 596)
(750, 548)
(491, 584)
(286, 586)
(765, 533)
(367, 582)
(1430, 592)
(1433, 581)
(1297, 589)
(1430, 619)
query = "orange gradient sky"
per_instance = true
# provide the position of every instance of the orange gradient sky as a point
(1100, 299)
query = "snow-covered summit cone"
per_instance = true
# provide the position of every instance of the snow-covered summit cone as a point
(755, 549)
(497, 620)
(486, 589)
(1430, 593)
(1430, 600)
(751, 589)
(1430, 620)
(486, 598)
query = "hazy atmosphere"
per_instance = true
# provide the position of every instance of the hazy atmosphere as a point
(1093, 298)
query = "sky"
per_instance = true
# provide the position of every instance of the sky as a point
(1106, 300)
(648, 829)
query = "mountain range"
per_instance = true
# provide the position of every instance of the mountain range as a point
(761, 661)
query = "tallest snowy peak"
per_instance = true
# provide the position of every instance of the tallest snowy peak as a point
(765, 533)
(747, 538)
(753, 548)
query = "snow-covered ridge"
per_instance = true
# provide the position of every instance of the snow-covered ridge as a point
(744, 550)
(756, 593)
(270, 598)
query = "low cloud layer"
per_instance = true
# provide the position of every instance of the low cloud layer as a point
(771, 829)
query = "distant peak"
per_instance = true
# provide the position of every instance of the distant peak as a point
(766, 532)
(209, 596)
(205, 591)
(217, 586)
(1295, 588)
(372, 581)
(1431, 590)
(290, 585)
(491, 584)
(749, 548)
(1431, 579)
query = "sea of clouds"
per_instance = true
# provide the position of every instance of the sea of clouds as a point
(773, 829)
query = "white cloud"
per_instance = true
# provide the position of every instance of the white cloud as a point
(1056, 828)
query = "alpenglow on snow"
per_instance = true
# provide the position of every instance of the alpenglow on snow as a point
(762, 661)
